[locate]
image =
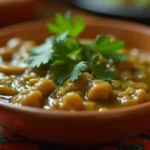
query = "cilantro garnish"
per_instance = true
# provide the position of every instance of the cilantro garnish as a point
(70, 56)
(100, 70)
(108, 48)
(103, 43)
(66, 23)
(76, 71)
(41, 55)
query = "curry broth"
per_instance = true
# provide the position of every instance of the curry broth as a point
(21, 85)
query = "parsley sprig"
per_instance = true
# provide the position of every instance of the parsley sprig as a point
(70, 57)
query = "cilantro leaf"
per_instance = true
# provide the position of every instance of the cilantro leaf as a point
(39, 59)
(116, 56)
(76, 71)
(66, 23)
(74, 47)
(73, 74)
(63, 36)
(105, 44)
(87, 53)
(40, 55)
(61, 76)
(78, 27)
(60, 51)
(64, 49)
(75, 52)
(100, 70)
(102, 39)
(43, 47)
(109, 48)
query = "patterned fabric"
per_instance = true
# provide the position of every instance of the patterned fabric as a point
(12, 141)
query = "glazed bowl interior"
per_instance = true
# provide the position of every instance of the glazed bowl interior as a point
(135, 36)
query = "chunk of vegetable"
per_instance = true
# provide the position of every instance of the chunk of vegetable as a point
(79, 85)
(132, 96)
(28, 98)
(32, 82)
(4, 90)
(72, 101)
(141, 95)
(12, 70)
(99, 91)
(45, 86)
(6, 53)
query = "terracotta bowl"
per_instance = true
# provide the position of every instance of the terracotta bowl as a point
(12, 11)
(84, 127)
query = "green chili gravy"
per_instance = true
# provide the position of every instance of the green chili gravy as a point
(25, 86)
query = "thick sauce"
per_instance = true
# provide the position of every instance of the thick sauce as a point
(21, 85)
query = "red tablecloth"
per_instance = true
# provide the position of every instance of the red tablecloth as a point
(12, 141)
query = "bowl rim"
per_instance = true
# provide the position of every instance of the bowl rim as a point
(40, 113)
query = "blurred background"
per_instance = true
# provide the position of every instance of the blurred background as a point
(14, 11)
